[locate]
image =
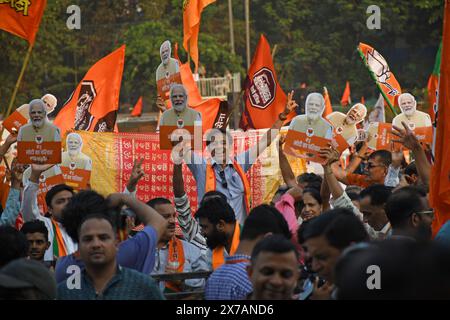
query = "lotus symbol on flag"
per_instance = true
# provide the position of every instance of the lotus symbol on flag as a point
(310, 132)
(39, 139)
(380, 68)
(262, 89)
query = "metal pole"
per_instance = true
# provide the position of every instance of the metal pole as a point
(247, 31)
(230, 17)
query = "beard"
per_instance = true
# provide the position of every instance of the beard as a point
(74, 152)
(180, 107)
(313, 116)
(165, 60)
(410, 112)
(38, 123)
(216, 239)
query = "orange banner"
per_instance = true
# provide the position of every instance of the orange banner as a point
(165, 132)
(164, 84)
(78, 179)
(47, 152)
(423, 134)
(45, 184)
(94, 103)
(14, 121)
(380, 136)
(299, 145)
(22, 18)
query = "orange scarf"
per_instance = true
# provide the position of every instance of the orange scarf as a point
(59, 247)
(175, 262)
(210, 183)
(218, 256)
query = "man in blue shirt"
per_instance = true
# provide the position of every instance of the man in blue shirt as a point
(103, 278)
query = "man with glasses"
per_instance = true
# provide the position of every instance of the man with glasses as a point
(410, 214)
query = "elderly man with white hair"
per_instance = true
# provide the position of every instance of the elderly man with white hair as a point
(168, 66)
(50, 102)
(180, 114)
(39, 129)
(345, 124)
(312, 123)
(73, 158)
(410, 115)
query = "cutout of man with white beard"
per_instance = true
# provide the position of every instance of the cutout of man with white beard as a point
(168, 66)
(39, 129)
(312, 123)
(50, 102)
(180, 114)
(345, 124)
(73, 158)
(410, 115)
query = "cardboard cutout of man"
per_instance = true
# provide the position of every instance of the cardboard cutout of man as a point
(50, 102)
(180, 114)
(166, 70)
(410, 115)
(73, 158)
(345, 124)
(312, 123)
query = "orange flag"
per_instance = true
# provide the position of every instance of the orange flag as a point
(440, 172)
(264, 98)
(345, 100)
(381, 74)
(137, 110)
(192, 13)
(22, 18)
(94, 103)
(328, 107)
(363, 101)
(433, 83)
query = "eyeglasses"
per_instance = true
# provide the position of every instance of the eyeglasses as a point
(222, 177)
(429, 213)
(370, 165)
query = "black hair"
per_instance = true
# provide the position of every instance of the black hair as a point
(378, 193)
(158, 201)
(55, 190)
(82, 204)
(411, 169)
(275, 243)
(353, 196)
(212, 134)
(402, 204)
(384, 155)
(216, 209)
(311, 180)
(339, 226)
(99, 216)
(212, 194)
(35, 226)
(13, 245)
(264, 219)
(314, 193)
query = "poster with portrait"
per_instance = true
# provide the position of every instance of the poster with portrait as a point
(17, 119)
(168, 72)
(380, 136)
(76, 166)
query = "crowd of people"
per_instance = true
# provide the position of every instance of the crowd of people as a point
(318, 239)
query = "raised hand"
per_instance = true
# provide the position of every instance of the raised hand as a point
(136, 174)
(330, 154)
(160, 104)
(406, 137)
(290, 104)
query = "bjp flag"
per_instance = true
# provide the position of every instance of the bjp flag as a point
(137, 110)
(382, 75)
(328, 107)
(192, 13)
(440, 172)
(22, 17)
(94, 103)
(264, 98)
(433, 83)
(345, 100)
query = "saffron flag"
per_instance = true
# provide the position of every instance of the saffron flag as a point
(192, 13)
(381, 74)
(137, 110)
(328, 107)
(440, 172)
(22, 18)
(113, 156)
(263, 96)
(363, 101)
(94, 103)
(433, 83)
(346, 100)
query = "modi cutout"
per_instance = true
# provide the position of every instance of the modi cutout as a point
(168, 72)
(345, 124)
(410, 115)
(180, 116)
(309, 132)
(39, 141)
(76, 166)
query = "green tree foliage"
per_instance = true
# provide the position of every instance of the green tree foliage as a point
(316, 44)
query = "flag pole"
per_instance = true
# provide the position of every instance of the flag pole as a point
(19, 80)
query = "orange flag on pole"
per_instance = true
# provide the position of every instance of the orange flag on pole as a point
(22, 18)
(363, 101)
(440, 172)
(94, 103)
(192, 13)
(264, 98)
(433, 85)
(345, 100)
(137, 110)
(328, 107)
(381, 74)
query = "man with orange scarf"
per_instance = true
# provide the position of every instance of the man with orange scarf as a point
(174, 255)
